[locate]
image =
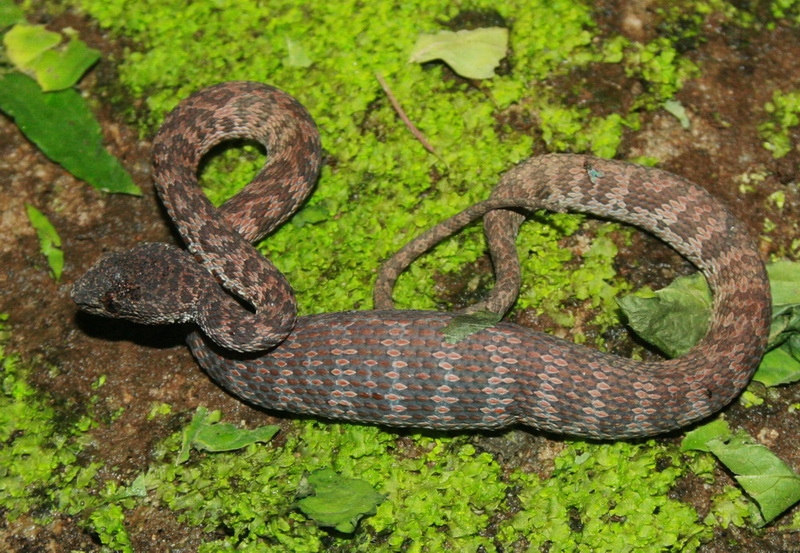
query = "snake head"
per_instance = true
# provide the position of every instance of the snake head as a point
(152, 283)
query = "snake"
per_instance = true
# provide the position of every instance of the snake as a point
(396, 367)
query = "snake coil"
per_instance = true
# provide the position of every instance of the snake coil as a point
(394, 367)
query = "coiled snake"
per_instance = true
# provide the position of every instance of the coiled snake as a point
(393, 367)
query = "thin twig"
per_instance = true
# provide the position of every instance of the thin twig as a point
(396, 105)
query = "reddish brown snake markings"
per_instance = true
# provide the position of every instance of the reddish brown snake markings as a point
(392, 367)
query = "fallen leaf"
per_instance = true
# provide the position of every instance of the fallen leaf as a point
(762, 475)
(206, 433)
(674, 318)
(331, 499)
(49, 240)
(65, 130)
(472, 54)
(468, 324)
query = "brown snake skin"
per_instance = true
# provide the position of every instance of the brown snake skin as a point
(392, 367)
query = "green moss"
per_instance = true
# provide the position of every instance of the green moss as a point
(587, 504)
(664, 70)
(731, 507)
(558, 276)
(40, 471)
(783, 115)
(229, 168)
(108, 522)
(440, 493)
(789, 9)
(44, 473)
(432, 484)
(38, 461)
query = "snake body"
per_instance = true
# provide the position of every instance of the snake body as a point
(394, 367)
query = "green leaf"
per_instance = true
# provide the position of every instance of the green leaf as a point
(472, 54)
(201, 417)
(49, 240)
(765, 478)
(206, 433)
(698, 438)
(311, 215)
(785, 323)
(32, 49)
(781, 365)
(227, 437)
(333, 500)
(60, 69)
(25, 43)
(784, 281)
(675, 318)
(297, 56)
(63, 127)
(468, 324)
(10, 14)
(762, 475)
(675, 108)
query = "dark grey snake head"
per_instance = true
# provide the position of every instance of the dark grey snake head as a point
(152, 283)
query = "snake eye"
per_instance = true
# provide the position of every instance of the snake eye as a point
(109, 303)
(121, 298)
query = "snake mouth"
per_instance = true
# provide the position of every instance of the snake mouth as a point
(114, 297)
(89, 292)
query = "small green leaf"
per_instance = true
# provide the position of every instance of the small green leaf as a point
(311, 215)
(206, 433)
(49, 240)
(698, 438)
(63, 127)
(780, 366)
(675, 108)
(785, 323)
(201, 417)
(472, 54)
(25, 43)
(227, 437)
(296, 54)
(60, 69)
(784, 281)
(468, 324)
(32, 49)
(333, 500)
(675, 318)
